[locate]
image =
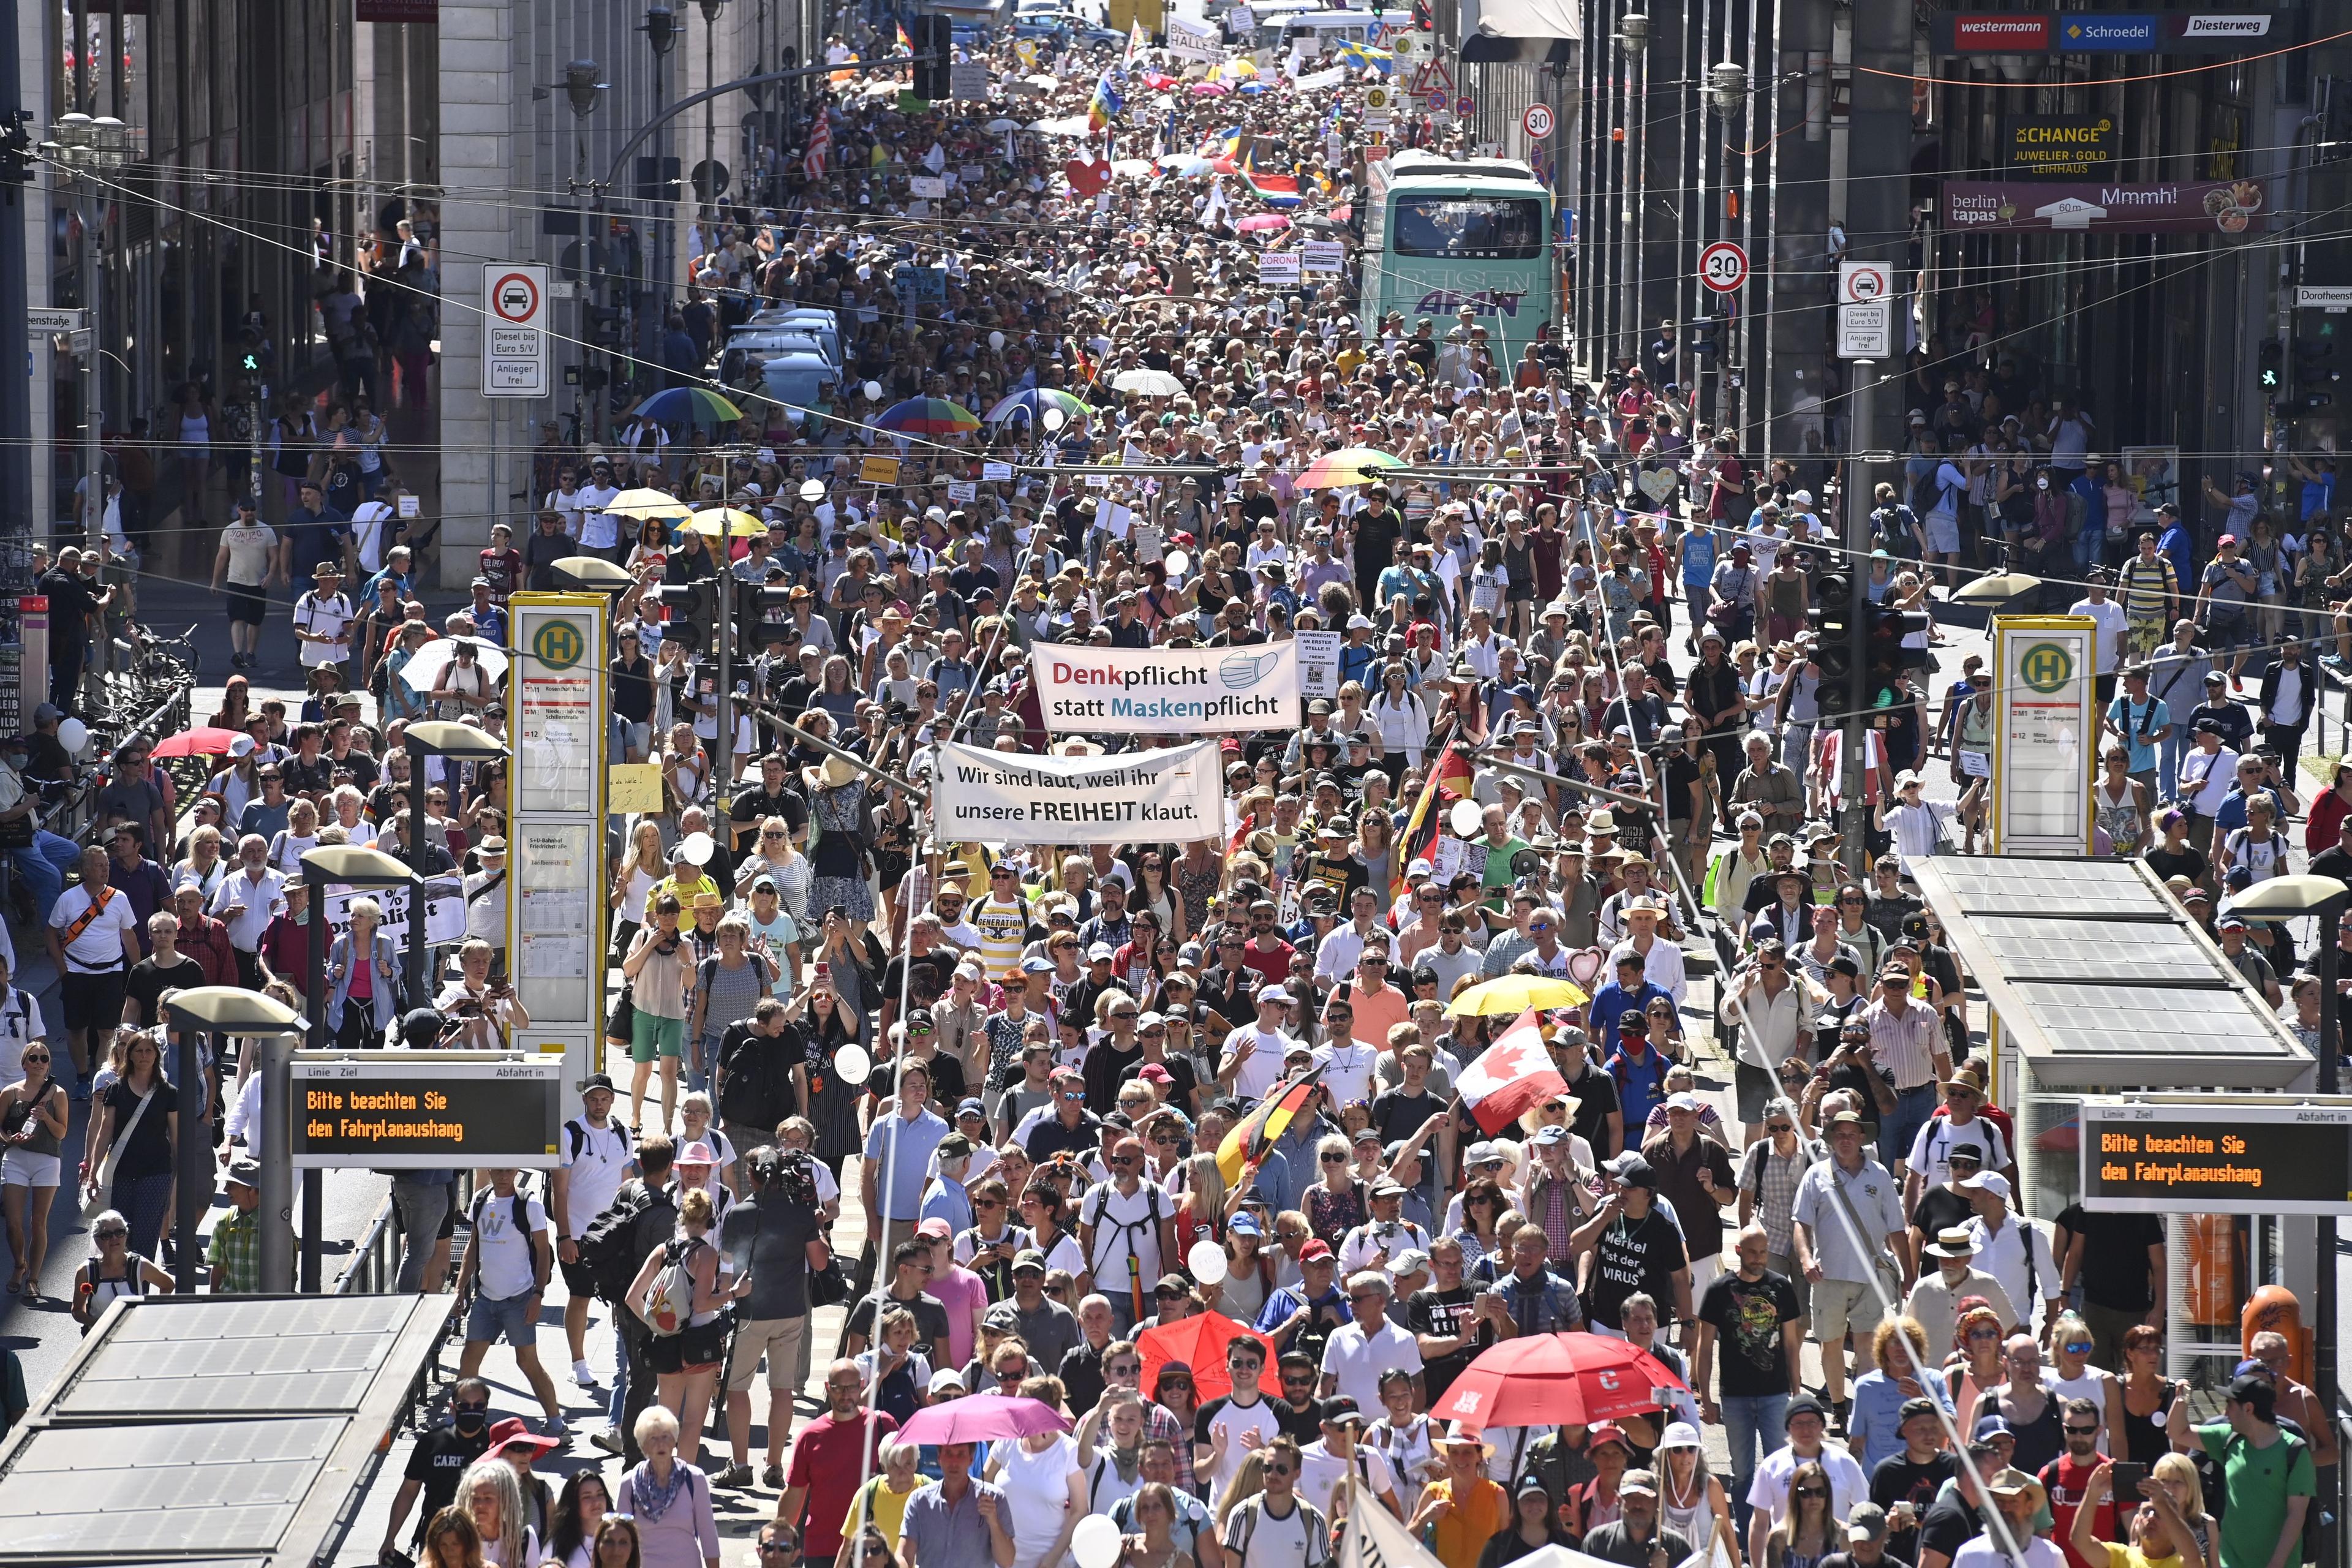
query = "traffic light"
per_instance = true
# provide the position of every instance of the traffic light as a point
(934, 40)
(1703, 336)
(2315, 368)
(1888, 628)
(2273, 364)
(1830, 617)
(604, 324)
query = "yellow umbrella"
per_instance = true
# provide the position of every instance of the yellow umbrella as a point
(645, 503)
(731, 522)
(1511, 994)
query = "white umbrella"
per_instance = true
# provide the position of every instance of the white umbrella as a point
(424, 667)
(1149, 382)
(1000, 125)
(1132, 168)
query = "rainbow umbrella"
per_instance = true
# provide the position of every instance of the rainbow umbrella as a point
(927, 417)
(1347, 465)
(686, 405)
(1033, 402)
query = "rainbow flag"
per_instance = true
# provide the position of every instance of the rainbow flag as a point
(1138, 40)
(1104, 106)
(906, 44)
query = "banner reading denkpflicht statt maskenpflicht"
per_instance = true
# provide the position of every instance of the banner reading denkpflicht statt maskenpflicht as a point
(1167, 692)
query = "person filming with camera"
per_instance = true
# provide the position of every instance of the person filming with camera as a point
(482, 1009)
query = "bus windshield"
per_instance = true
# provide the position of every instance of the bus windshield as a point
(1469, 229)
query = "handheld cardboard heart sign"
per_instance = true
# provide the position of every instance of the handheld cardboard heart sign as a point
(1659, 484)
(1086, 178)
(1585, 967)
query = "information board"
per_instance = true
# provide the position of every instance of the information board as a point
(2217, 1156)
(412, 1110)
(2043, 693)
(555, 932)
(1318, 663)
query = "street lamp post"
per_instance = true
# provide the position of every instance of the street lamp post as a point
(269, 1025)
(353, 865)
(434, 738)
(661, 29)
(2326, 898)
(583, 92)
(95, 151)
(706, 188)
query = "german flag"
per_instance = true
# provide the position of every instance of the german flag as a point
(1252, 1136)
(1448, 781)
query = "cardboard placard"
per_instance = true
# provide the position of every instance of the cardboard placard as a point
(1326, 257)
(633, 786)
(1279, 270)
(877, 471)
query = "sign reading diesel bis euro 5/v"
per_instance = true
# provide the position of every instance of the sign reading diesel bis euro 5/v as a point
(2059, 146)
(2217, 1157)
(425, 1110)
(1168, 692)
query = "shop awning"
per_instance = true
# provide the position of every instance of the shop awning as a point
(2102, 982)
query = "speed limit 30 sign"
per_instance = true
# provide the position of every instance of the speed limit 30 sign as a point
(1536, 122)
(1723, 267)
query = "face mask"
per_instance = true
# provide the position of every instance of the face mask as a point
(468, 1421)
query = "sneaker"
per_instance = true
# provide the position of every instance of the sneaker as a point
(772, 1477)
(732, 1476)
(2337, 662)
(608, 1440)
(583, 1376)
(555, 1427)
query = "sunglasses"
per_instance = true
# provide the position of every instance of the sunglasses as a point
(1803, 1492)
(1279, 1470)
(2075, 1431)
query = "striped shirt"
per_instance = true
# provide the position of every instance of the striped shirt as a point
(1905, 1045)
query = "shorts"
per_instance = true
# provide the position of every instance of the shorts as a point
(1943, 533)
(1755, 1089)
(1841, 1304)
(2222, 631)
(486, 1320)
(93, 1000)
(779, 1339)
(249, 607)
(652, 1036)
(22, 1168)
(580, 1280)
(697, 1348)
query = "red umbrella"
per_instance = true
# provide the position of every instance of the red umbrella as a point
(1199, 1342)
(1560, 1379)
(982, 1417)
(207, 741)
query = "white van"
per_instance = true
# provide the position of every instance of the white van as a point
(1316, 32)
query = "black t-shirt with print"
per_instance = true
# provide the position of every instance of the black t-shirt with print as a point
(1636, 1256)
(1897, 1479)
(1437, 1312)
(1747, 1315)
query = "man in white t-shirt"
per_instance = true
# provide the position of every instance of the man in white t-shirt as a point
(1357, 1352)
(1277, 1528)
(1254, 1056)
(1324, 1464)
(598, 1154)
(598, 529)
(90, 929)
(242, 569)
(509, 1257)
(1228, 1428)
(1127, 1226)
(323, 618)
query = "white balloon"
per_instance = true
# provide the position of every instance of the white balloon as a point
(851, 1065)
(873, 390)
(73, 735)
(1207, 1261)
(996, 340)
(1465, 817)
(1096, 1541)
(1177, 562)
(812, 490)
(1054, 419)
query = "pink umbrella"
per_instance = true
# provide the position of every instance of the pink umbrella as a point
(1210, 90)
(1261, 222)
(982, 1417)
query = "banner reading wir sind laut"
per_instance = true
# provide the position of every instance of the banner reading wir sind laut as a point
(1001, 796)
(1168, 692)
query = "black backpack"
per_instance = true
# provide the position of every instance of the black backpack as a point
(755, 1085)
(609, 1248)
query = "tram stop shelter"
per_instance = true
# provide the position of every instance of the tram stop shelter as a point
(249, 1424)
(2101, 986)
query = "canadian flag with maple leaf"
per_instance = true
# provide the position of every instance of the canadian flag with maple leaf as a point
(1514, 1073)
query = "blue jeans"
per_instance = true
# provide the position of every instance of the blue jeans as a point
(44, 866)
(2169, 753)
(1754, 1424)
(1914, 1108)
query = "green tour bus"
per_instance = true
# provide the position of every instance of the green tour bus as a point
(1442, 233)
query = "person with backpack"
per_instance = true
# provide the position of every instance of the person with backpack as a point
(641, 1216)
(112, 1270)
(598, 1154)
(509, 1257)
(754, 1084)
(772, 1240)
(678, 1296)
(1126, 1227)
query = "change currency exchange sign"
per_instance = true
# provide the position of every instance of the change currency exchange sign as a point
(1168, 692)
(995, 796)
